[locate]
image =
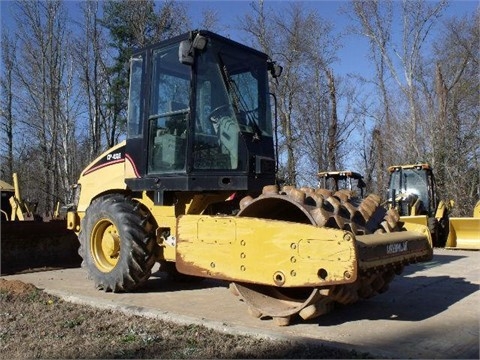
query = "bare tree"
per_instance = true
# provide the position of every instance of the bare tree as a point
(210, 21)
(456, 109)
(333, 125)
(6, 108)
(92, 61)
(45, 77)
(401, 133)
(301, 41)
(375, 20)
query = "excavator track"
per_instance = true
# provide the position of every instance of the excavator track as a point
(322, 208)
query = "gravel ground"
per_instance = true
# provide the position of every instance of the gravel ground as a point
(34, 324)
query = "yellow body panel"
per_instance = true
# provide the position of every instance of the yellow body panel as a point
(73, 221)
(166, 219)
(101, 179)
(166, 216)
(419, 219)
(443, 209)
(4, 186)
(464, 233)
(420, 227)
(476, 210)
(263, 251)
(130, 171)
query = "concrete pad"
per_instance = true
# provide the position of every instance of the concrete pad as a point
(430, 311)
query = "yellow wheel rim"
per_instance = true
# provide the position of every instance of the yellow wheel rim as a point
(105, 245)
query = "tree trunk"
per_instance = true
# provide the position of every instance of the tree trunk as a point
(333, 126)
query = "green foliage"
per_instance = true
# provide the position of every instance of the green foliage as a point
(132, 24)
(71, 323)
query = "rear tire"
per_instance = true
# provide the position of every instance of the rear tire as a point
(116, 243)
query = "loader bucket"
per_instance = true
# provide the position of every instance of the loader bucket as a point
(30, 245)
(464, 233)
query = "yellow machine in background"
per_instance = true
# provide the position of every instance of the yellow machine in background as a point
(193, 187)
(6, 191)
(412, 192)
(464, 233)
(13, 207)
(347, 182)
(31, 240)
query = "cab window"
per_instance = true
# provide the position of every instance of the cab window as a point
(169, 112)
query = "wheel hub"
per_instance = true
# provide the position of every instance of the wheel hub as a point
(105, 245)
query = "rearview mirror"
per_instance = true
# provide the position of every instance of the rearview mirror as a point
(275, 70)
(185, 55)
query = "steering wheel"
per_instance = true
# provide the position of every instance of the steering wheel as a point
(217, 112)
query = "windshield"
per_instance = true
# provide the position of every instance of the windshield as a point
(231, 98)
(410, 181)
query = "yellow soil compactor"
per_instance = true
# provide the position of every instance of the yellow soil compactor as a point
(193, 187)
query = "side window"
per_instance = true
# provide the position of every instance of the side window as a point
(135, 98)
(169, 112)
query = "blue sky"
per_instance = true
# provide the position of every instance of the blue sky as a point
(352, 56)
(229, 12)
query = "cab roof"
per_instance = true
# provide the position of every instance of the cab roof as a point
(340, 174)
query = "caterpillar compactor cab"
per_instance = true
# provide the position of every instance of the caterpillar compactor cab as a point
(193, 187)
(413, 193)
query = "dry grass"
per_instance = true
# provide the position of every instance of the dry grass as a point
(34, 324)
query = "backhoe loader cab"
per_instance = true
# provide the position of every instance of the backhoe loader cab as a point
(412, 189)
(412, 192)
(199, 116)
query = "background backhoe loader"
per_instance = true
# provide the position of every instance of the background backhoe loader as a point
(6, 191)
(413, 193)
(13, 207)
(194, 188)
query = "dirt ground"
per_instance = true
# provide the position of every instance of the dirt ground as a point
(34, 324)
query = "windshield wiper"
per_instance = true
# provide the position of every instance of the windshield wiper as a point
(239, 102)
